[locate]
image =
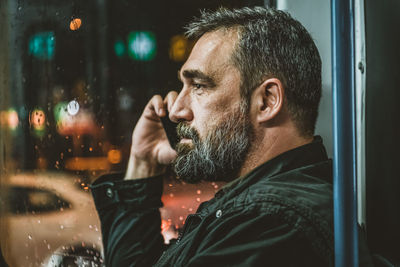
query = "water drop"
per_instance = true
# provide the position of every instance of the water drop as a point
(30, 237)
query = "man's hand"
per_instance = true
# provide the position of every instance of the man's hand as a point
(151, 151)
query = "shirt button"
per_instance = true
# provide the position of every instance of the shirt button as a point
(218, 213)
(109, 192)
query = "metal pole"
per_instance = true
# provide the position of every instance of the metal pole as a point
(344, 142)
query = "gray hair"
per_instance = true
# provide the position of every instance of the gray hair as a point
(271, 44)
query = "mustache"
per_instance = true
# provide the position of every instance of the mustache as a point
(185, 131)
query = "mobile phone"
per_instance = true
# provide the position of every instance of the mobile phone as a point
(170, 130)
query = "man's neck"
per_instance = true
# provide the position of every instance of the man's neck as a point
(269, 146)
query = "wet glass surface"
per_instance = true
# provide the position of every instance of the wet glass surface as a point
(74, 78)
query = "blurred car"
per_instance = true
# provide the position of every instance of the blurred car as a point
(51, 221)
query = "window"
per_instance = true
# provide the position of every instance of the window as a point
(74, 78)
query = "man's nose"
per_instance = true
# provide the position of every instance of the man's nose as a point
(181, 109)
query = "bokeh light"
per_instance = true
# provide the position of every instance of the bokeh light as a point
(142, 45)
(75, 24)
(37, 119)
(73, 107)
(12, 118)
(114, 156)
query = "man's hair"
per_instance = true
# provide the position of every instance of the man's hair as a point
(271, 44)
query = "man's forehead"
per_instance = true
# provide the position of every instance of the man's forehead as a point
(211, 54)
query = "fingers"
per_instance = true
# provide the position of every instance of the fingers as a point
(170, 99)
(156, 106)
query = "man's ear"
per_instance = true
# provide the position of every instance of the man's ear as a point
(268, 100)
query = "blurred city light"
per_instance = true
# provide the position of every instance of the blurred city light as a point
(87, 163)
(114, 156)
(73, 107)
(142, 45)
(9, 119)
(42, 45)
(13, 120)
(119, 48)
(37, 119)
(179, 48)
(60, 112)
(75, 24)
(82, 123)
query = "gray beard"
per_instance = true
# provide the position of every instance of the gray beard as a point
(220, 156)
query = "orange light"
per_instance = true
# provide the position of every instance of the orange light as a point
(9, 118)
(87, 163)
(75, 24)
(37, 119)
(114, 156)
(13, 119)
(180, 48)
(165, 225)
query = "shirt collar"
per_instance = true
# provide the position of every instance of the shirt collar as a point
(304, 155)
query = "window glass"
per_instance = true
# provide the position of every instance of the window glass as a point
(75, 76)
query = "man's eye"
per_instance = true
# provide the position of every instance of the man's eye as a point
(198, 86)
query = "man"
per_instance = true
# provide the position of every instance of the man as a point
(246, 113)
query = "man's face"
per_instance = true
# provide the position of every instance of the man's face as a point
(215, 130)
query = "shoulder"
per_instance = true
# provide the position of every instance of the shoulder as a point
(297, 198)
(301, 189)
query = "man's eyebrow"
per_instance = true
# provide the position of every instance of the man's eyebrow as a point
(196, 74)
